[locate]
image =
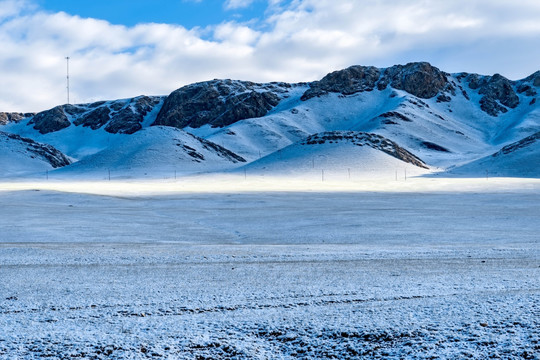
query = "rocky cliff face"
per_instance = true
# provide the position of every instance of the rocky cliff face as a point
(118, 117)
(419, 79)
(348, 81)
(219, 103)
(46, 152)
(51, 120)
(129, 118)
(521, 144)
(6, 117)
(498, 93)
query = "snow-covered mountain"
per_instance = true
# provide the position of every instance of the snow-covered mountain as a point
(155, 151)
(340, 155)
(20, 155)
(449, 122)
(519, 159)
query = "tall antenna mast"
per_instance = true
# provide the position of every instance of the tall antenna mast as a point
(67, 60)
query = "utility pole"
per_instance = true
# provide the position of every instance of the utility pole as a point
(67, 78)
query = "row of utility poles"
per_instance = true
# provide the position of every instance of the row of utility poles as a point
(245, 174)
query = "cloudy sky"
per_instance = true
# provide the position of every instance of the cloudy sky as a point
(124, 48)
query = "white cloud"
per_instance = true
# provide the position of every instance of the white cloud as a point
(237, 4)
(13, 7)
(236, 34)
(302, 40)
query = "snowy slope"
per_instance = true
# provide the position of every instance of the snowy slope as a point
(154, 152)
(519, 159)
(20, 156)
(340, 155)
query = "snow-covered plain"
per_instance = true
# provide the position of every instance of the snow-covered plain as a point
(257, 268)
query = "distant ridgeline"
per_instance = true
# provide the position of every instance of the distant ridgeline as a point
(449, 123)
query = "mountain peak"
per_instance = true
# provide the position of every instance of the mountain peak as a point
(218, 103)
(420, 79)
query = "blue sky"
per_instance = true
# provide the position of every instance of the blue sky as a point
(125, 48)
(188, 13)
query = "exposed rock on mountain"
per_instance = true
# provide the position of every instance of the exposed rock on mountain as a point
(51, 120)
(498, 93)
(391, 117)
(518, 159)
(418, 79)
(95, 118)
(528, 85)
(534, 139)
(35, 150)
(348, 81)
(374, 141)
(125, 121)
(6, 117)
(218, 103)
(120, 116)
(533, 79)
(219, 150)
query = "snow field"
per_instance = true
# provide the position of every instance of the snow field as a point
(423, 268)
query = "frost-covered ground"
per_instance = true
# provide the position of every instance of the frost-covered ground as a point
(423, 268)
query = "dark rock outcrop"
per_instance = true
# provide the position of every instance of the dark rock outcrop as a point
(523, 143)
(374, 141)
(129, 118)
(218, 150)
(498, 93)
(500, 88)
(526, 89)
(46, 152)
(144, 104)
(443, 98)
(95, 118)
(419, 79)
(125, 121)
(348, 81)
(74, 110)
(51, 120)
(432, 146)
(533, 79)
(491, 106)
(394, 115)
(218, 103)
(7, 117)
(120, 117)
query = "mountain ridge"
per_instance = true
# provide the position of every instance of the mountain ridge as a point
(445, 120)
